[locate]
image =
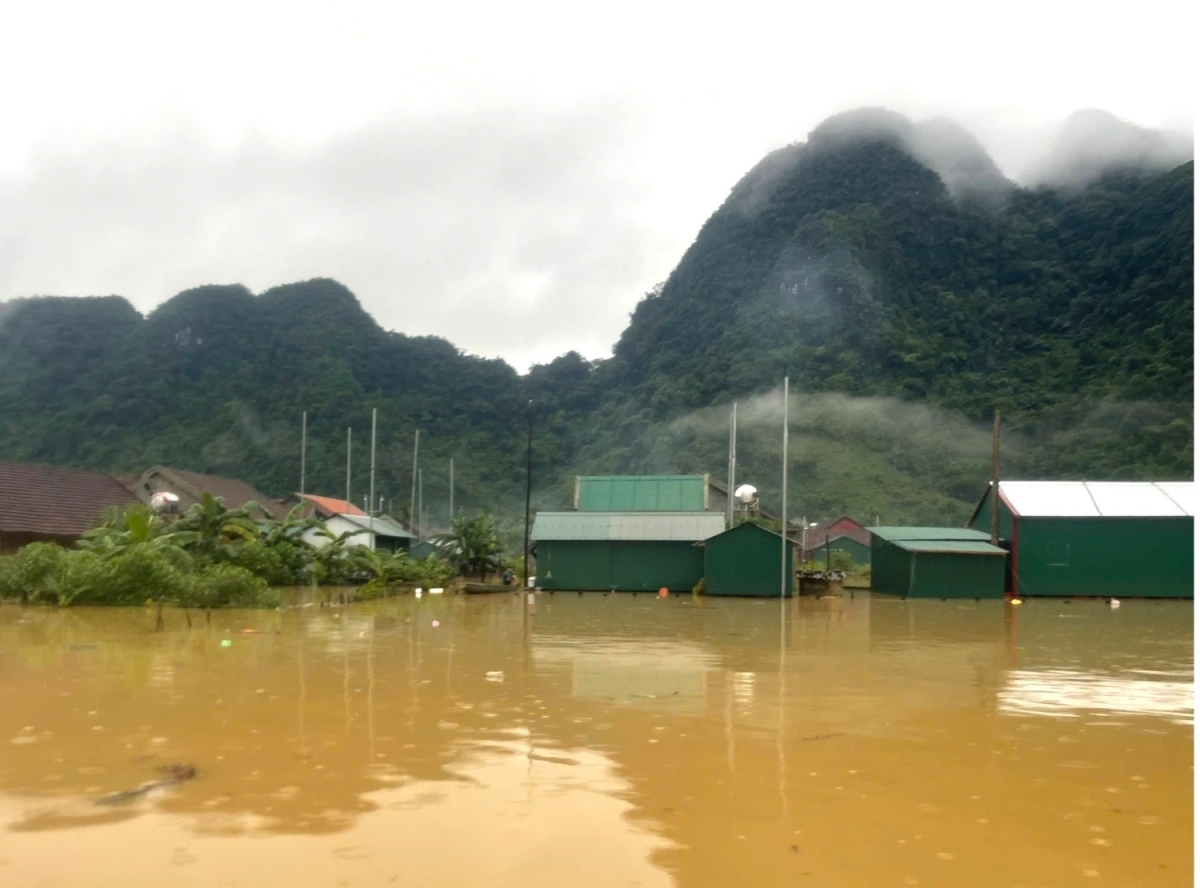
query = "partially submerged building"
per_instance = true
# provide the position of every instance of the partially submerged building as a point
(842, 534)
(53, 504)
(622, 551)
(190, 487)
(1087, 538)
(341, 517)
(936, 562)
(748, 560)
(629, 533)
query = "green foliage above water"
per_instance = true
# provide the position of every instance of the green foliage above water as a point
(211, 557)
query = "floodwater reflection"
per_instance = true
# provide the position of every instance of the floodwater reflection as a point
(603, 740)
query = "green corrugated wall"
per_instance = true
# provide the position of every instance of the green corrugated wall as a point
(957, 575)
(859, 552)
(1106, 557)
(889, 567)
(897, 571)
(746, 560)
(1102, 557)
(628, 566)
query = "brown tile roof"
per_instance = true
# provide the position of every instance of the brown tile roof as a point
(331, 506)
(234, 493)
(55, 500)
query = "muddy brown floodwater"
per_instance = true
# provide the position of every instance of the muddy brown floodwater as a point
(605, 740)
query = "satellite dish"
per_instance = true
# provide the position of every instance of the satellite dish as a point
(164, 502)
(746, 494)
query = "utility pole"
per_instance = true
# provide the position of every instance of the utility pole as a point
(413, 517)
(451, 488)
(786, 579)
(528, 497)
(303, 449)
(731, 509)
(375, 413)
(348, 451)
(420, 505)
(996, 479)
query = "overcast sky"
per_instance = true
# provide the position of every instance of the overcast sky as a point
(512, 176)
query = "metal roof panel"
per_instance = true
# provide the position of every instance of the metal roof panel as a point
(1096, 499)
(628, 526)
(894, 534)
(953, 547)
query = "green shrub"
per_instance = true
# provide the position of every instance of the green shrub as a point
(136, 576)
(227, 585)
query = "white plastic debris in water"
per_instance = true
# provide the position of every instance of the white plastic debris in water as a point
(435, 591)
(498, 675)
(1114, 603)
(418, 592)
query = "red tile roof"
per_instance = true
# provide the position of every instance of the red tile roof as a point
(331, 506)
(234, 493)
(56, 500)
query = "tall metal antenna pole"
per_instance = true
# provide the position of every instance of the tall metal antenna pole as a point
(413, 518)
(303, 449)
(349, 444)
(451, 488)
(786, 579)
(420, 505)
(733, 463)
(528, 496)
(371, 495)
(996, 479)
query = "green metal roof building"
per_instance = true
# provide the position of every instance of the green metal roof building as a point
(746, 560)
(1105, 539)
(629, 551)
(641, 493)
(936, 562)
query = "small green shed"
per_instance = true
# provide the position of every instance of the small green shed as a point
(747, 560)
(936, 562)
(622, 551)
(1104, 539)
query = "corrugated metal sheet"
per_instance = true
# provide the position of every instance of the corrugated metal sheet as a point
(677, 526)
(382, 525)
(641, 493)
(929, 533)
(962, 547)
(1099, 499)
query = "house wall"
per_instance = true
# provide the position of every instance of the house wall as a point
(859, 552)
(956, 575)
(983, 519)
(338, 526)
(744, 561)
(889, 567)
(630, 566)
(1105, 557)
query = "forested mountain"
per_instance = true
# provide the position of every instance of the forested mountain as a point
(887, 268)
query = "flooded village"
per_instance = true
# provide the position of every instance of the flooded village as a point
(661, 705)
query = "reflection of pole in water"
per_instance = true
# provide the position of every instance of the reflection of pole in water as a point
(729, 741)
(371, 690)
(345, 672)
(303, 694)
(1010, 633)
(779, 745)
